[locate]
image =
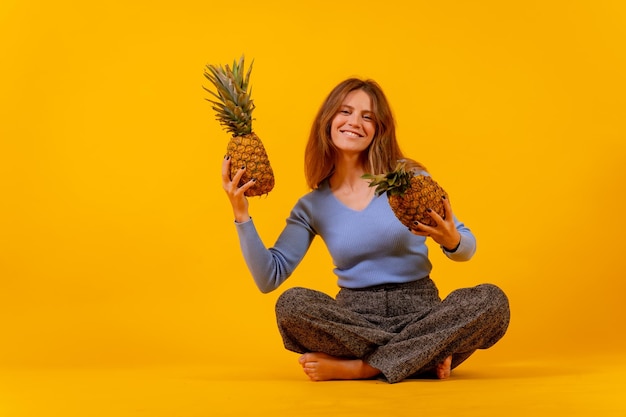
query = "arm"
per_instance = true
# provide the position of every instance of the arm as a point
(269, 267)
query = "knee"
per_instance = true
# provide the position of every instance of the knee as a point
(483, 296)
(494, 298)
(496, 305)
(292, 302)
(494, 294)
(488, 299)
(497, 309)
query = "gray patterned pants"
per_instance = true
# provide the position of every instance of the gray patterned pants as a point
(403, 330)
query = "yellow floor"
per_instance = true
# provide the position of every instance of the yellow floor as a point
(555, 387)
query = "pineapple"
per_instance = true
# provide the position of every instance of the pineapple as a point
(233, 107)
(410, 194)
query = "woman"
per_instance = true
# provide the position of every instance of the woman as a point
(387, 320)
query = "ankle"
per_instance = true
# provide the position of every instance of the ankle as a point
(366, 370)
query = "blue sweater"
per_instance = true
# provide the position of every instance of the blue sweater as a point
(368, 247)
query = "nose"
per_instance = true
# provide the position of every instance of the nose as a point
(354, 119)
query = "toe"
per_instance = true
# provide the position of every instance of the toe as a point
(443, 369)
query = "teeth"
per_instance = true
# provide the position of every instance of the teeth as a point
(354, 135)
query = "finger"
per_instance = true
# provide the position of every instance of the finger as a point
(237, 178)
(415, 227)
(447, 207)
(435, 216)
(226, 169)
(420, 229)
(417, 233)
(247, 185)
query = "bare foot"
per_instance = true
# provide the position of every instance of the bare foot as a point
(443, 369)
(323, 367)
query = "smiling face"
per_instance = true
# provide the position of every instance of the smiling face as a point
(353, 127)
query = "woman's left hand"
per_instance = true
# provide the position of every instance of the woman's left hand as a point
(445, 232)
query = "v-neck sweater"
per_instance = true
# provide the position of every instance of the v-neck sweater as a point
(368, 247)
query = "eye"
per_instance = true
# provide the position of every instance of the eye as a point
(368, 117)
(344, 111)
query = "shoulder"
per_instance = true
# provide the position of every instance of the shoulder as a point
(310, 207)
(313, 201)
(316, 196)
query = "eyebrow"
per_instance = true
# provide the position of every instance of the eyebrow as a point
(352, 108)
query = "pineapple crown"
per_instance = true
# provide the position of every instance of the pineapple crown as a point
(233, 106)
(394, 182)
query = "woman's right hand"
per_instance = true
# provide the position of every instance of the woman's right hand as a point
(235, 194)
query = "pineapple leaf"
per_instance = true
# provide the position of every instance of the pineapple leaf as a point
(233, 105)
(394, 182)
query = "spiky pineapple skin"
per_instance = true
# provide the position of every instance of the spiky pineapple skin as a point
(424, 193)
(248, 151)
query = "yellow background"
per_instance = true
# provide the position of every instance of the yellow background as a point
(116, 241)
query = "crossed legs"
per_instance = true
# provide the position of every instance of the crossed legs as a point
(339, 343)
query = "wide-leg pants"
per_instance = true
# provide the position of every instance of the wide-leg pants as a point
(403, 330)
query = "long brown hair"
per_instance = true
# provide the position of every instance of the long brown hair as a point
(382, 154)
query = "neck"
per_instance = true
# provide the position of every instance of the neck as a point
(348, 174)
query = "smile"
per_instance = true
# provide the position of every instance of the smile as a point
(351, 134)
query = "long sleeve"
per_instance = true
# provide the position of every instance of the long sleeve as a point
(271, 267)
